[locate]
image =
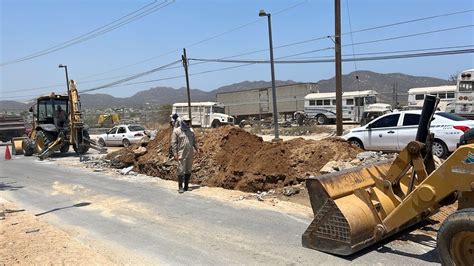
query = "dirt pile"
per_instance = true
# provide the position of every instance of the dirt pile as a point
(235, 159)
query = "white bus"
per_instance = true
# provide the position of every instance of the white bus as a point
(446, 94)
(322, 106)
(204, 114)
(463, 104)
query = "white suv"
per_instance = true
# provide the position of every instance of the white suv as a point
(392, 132)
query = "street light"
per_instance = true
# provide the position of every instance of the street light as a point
(262, 13)
(67, 77)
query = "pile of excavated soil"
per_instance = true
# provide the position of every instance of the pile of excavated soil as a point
(235, 159)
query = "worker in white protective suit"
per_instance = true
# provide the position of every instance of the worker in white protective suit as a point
(183, 144)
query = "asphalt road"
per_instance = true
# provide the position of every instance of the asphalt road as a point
(147, 223)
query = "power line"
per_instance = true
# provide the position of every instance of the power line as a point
(197, 42)
(261, 50)
(139, 75)
(382, 40)
(386, 57)
(142, 12)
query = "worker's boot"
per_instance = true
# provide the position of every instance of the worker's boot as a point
(180, 183)
(186, 181)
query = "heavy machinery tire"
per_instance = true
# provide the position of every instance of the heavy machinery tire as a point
(28, 147)
(41, 140)
(216, 124)
(65, 147)
(101, 142)
(321, 119)
(356, 142)
(126, 143)
(439, 149)
(455, 239)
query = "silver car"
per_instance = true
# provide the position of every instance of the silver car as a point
(392, 132)
(122, 135)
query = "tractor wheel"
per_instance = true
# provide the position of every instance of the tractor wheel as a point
(455, 239)
(28, 147)
(42, 141)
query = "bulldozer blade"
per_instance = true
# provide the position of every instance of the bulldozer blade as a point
(345, 220)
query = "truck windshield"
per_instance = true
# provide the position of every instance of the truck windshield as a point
(218, 109)
(370, 100)
(466, 86)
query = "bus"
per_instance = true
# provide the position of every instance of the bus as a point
(204, 114)
(446, 94)
(463, 104)
(322, 106)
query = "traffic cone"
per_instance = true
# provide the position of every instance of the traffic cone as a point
(8, 156)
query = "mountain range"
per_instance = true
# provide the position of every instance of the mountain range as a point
(361, 80)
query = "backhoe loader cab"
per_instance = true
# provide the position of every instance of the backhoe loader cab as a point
(49, 109)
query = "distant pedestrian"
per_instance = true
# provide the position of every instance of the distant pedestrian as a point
(176, 120)
(183, 143)
(174, 123)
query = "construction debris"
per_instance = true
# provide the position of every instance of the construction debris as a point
(235, 159)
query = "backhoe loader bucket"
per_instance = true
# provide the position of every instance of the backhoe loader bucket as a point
(351, 207)
(343, 221)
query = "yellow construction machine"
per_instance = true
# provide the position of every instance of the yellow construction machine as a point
(58, 124)
(108, 120)
(356, 208)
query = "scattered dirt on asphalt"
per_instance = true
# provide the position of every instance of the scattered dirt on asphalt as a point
(233, 158)
(26, 240)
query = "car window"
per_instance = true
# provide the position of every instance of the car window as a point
(112, 130)
(387, 121)
(451, 116)
(136, 128)
(121, 130)
(411, 119)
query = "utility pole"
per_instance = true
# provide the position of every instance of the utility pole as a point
(337, 41)
(185, 65)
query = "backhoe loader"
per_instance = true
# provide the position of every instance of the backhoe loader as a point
(57, 124)
(356, 208)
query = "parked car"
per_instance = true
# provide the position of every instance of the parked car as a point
(392, 132)
(122, 135)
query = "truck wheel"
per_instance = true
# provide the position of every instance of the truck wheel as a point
(321, 119)
(28, 147)
(439, 149)
(455, 239)
(216, 124)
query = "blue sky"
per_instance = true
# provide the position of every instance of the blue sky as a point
(30, 26)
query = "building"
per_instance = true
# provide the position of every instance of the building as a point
(258, 102)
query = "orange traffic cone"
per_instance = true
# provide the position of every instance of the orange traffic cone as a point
(8, 156)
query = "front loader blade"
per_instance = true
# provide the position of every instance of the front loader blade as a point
(343, 220)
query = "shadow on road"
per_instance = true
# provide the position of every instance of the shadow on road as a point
(194, 187)
(8, 186)
(82, 204)
(403, 238)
